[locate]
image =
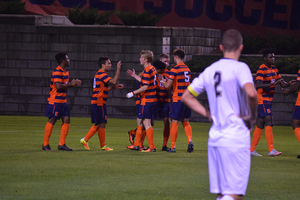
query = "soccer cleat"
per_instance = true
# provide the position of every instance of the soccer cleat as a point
(85, 144)
(64, 147)
(46, 148)
(172, 150)
(298, 156)
(165, 148)
(149, 150)
(132, 147)
(142, 148)
(254, 153)
(106, 148)
(190, 147)
(131, 137)
(274, 153)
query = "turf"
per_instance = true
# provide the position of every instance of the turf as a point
(27, 172)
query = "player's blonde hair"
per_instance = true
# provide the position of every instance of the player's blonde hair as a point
(147, 54)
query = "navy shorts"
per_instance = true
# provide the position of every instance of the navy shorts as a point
(137, 107)
(264, 110)
(147, 111)
(179, 111)
(57, 110)
(98, 114)
(296, 113)
(162, 110)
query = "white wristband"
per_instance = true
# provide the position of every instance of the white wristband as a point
(129, 95)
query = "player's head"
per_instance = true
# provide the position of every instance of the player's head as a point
(232, 41)
(269, 56)
(62, 58)
(146, 57)
(164, 58)
(179, 55)
(159, 66)
(104, 63)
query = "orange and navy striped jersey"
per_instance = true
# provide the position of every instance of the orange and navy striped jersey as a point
(100, 88)
(162, 93)
(59, 75)
(266, 75)
(149, 78)
(138, 96)
(181, 76)
(298, 98)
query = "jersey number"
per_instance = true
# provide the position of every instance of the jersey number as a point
(217, 78)
(187, 78)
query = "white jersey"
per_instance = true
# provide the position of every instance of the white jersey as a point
(223, 82)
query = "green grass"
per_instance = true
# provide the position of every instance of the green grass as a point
(27, 172)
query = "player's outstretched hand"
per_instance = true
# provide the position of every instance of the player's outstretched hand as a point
(130, 94)
(119, 86)
(78, 82)
(249, 121)
(130, 72)
(119, 65)
(292, 82)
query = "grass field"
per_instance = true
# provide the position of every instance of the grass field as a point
(27, 172)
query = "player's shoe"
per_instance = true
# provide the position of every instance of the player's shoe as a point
(132, 147)
(274, 153)
(298, 156)
(131, 137)
(106, 148)
(254, 153)
(85, 144)
(190, 147)
(64, 147)
(142, 148)
(149, 150)
(46, 148)
(172, 150)
(165, 148)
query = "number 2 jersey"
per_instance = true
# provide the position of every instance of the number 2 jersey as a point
(223, 82)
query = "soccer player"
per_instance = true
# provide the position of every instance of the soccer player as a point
(57, 106)
(296, 113)
(102, 84)
(267, 77)
(148, 102)
(230, 91)
(179, 79)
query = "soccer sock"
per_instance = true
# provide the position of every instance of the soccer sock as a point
(227, 197)
(64, 130)
(188, 131)
(47, 134)
(101, 135)
(138, 137)
(297, 133)
(149, 134)
(166, 135)
(91, 132)
(174, 134)
(133, 132)
(143, 138)
(269, 137)
(256, 137)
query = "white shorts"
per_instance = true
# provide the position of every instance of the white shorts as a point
(229, 170)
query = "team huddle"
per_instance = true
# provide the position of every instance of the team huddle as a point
(234, 106)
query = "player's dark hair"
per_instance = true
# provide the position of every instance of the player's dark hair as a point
(231, 40)
(267, 51)
(159, 65)
(60, 57)
(180, 53)
(102, 60)
(163, 55)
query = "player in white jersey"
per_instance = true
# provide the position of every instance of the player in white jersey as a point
(233, 106)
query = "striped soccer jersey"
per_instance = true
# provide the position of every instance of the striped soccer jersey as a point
(266, 75)
(298, 98)
(149, 78)
(163, 94)
(59, 75)
(181, 76)
(100, 88)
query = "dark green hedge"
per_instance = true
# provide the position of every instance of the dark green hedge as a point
(12, 7)
(285, 65)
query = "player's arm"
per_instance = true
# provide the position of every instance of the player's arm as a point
(73, 83)
(167, 83)
(113, 87)
(252, 101)
(260, 84)
(189, 99)
(140, 90)
(135, 76)
(293, 89)
(284, 84)
(115, 79)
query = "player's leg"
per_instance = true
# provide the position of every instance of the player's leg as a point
(50, 113)
(186, 114)
(164, 109)
(257, 135)
(149, 114)
(101, 135)
(296, 123)
(174, 115)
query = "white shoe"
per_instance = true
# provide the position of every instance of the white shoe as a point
(254, 153)
(274, 153)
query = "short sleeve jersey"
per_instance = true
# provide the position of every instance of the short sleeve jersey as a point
(100, 88)
(149, 78)
(59, 75)
(266, 75)
(223, 82)
(298, 98)
(181, 76)
(163, 94)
